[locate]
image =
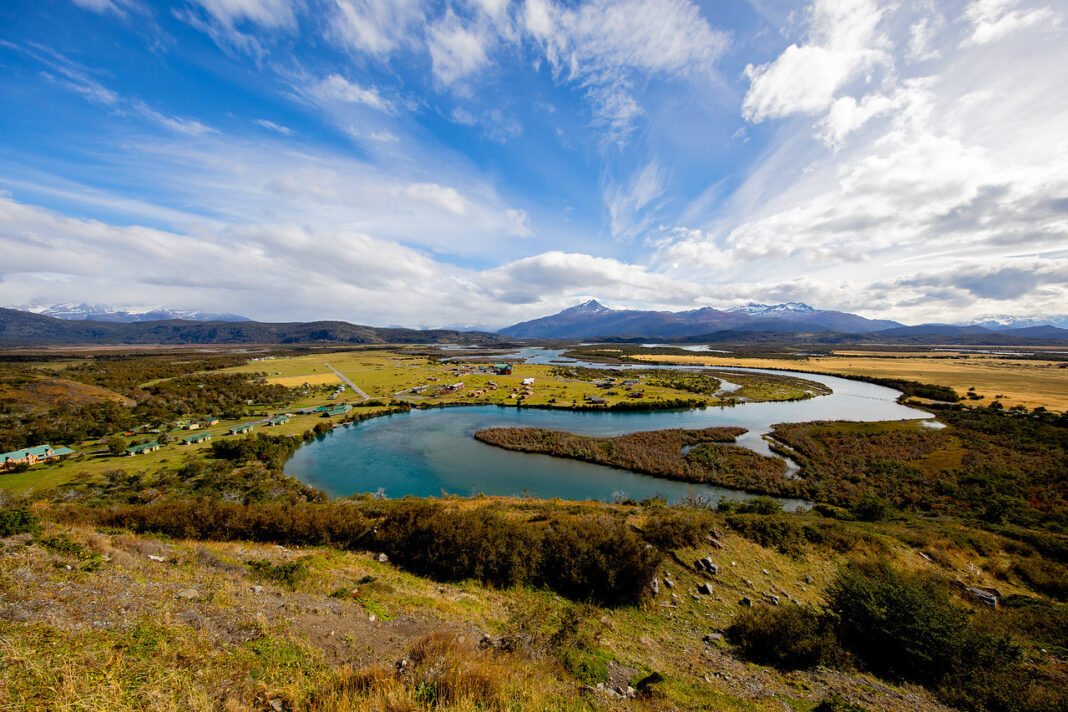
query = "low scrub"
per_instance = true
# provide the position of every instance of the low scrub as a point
(787, 637)
(583, 557)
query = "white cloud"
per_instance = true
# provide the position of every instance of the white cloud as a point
(994, 19)
(377, 27)
(334, 88)
(843, 45)
(456, 51)
(444, 197)
(117, 7)
(265, 13)
(626, 204)
(600, 45)
(277, 128)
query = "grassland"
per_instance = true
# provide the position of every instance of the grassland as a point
(92, 622)
(387, 375)
(1029, 383)
(190, 579)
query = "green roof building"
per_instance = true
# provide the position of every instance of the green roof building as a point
(337, 410)
(278, 420)
(33, 455)
(198, 438)
(143, 448)
(243, 428)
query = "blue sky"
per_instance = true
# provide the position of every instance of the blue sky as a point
(481, 162)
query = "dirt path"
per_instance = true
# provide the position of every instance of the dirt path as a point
(355, 389)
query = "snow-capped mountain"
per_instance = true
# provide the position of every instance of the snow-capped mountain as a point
(754, 309)
(592, 319)
(1001, 322)
(125, 314)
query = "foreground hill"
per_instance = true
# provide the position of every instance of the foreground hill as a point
(18, 328)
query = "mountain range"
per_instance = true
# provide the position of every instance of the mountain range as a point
(101, 312)
(20, 328)
(592, 319)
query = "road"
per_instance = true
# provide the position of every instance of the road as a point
(355, 389)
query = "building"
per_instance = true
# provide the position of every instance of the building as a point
(198, 438)
(528, 381)
(278, 420)
(458, 386)
(142, 449)
(240, 429)
(33, 455)
(502, 369)
(337, 410)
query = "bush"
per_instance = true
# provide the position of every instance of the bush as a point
(588, 559)
(787, 637)
(835, 703)
(17, 520)
(288, 574)
(904, 625)
(597, 559)
(677, 528)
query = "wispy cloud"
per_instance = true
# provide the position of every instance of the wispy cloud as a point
(277, 128)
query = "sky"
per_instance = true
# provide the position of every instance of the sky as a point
(475, 163)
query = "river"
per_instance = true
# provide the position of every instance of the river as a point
(432, 452)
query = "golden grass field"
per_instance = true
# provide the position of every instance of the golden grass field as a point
(1019, 382)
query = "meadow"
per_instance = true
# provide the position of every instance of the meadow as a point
(1016, 382)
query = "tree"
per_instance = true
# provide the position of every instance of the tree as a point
(116, 445)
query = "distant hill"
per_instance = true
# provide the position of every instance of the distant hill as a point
(592, 319)
(102, 312)
(19, 328)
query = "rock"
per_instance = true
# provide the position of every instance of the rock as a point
(189, 593)
(765, 572)
(748, 583)
(714, 542)
(256, 589)
(705, 588)
(746, 601)
(669, 583)
(809, 580)
(157, 558)
(772, 598)
(382, 559)
(712, 638)
(984, 597)
(277, 704)
(712, 568)
(372, 618)
(654, 586)
(674, 599)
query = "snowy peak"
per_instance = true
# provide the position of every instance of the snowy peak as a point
(101, 312)
(590, 307)
(1001, 322)
(754, 309)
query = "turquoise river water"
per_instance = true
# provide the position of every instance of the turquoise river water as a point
(432, 452)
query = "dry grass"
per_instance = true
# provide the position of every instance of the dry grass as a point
(1026, 383)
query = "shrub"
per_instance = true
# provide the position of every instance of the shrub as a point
(17, 520)
(905, 625)
(597, 559)
(787, 637)
(677, 528)
(836, 703)
(288, 574)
